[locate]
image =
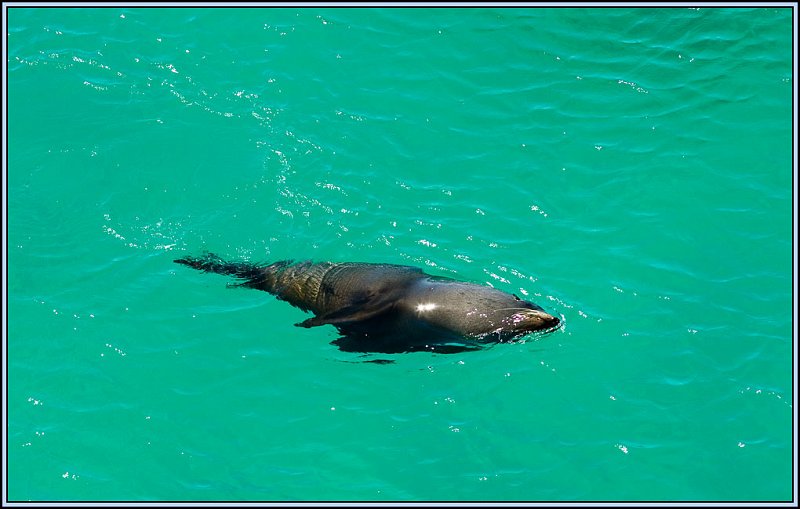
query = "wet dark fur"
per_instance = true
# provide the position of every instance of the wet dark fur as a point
(362, 301)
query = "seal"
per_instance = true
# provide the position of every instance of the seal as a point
(388, 308)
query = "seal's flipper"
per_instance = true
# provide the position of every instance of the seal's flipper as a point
(254, 274)
(357, 312)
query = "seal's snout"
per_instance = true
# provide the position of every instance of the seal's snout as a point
(547, 320)
(551, 321)
(535, 319)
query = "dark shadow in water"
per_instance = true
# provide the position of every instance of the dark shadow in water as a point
(398, 343)
(371, 361)
(364, 345)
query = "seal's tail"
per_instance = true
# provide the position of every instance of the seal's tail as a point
(258, 276)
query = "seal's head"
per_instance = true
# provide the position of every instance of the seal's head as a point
(526, 319)
(479, 312)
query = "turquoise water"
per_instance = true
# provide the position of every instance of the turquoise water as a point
(629, 170)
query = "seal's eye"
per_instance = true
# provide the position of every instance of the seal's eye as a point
(515, 296)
